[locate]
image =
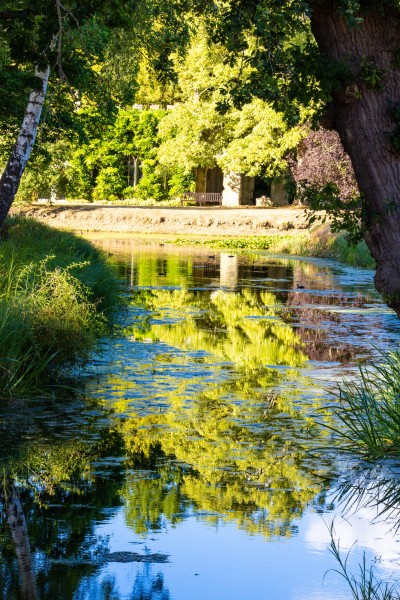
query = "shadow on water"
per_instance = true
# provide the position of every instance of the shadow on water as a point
(190, 441)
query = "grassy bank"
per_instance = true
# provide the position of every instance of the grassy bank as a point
(319, 243)
(56, 294)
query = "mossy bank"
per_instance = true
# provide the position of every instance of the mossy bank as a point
(57, 293)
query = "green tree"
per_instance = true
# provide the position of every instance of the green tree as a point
(349, 59)
(261, 140)
(40, 34)
(87, 50)
(128, 152)
(203, 131)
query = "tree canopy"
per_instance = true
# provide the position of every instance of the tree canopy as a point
(338, 57)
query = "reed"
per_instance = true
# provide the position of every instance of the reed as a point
(365, 585)
(367, 410)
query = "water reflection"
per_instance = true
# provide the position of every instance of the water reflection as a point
(190, 443)
(375, 488)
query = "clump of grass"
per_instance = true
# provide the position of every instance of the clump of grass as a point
(354, 255)
(365, 585)
(368, 410)
(30, 240)
(55, 290)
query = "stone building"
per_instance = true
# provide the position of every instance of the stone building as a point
(238, 189)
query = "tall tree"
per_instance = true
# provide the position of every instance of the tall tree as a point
(349, 58)
(365, 113)
(35, 34)
(9, 182)
(253, 139)
(68, 41)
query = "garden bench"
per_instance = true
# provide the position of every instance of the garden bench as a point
(203, 198)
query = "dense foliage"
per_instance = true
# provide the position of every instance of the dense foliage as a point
(325, 182)
(142, 154)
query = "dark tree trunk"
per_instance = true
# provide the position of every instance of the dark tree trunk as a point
(19, 533)
(135, 171)
(11, 177)
(363, 117)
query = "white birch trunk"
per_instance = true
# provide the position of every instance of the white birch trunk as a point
(11, 177)
(19, 532)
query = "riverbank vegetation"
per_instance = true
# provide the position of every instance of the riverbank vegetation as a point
(368, 410)
(57, 293)
(319, 243)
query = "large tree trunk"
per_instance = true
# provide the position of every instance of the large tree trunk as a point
(363, 117)
(11, 177)
(19, 532)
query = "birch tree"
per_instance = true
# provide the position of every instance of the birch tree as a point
(53, 44)
(11, 177)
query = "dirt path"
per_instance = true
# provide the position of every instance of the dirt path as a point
(177, 221)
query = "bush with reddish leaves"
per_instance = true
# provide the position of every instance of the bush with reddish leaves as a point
(321, 159)
(325, 181)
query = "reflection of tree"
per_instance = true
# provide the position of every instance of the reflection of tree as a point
(322, 325)
(233, 447)
(241, 327)
(237, 437)
(183, 267)
(53, 481)
(149, 587)
(145, 586)
(19, 534)
(153, 497)
(243, 471)
(51, 492)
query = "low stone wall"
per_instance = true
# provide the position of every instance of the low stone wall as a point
(177, 221)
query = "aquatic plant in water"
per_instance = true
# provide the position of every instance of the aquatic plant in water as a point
(368, 410)
(366, 585)
(318, 242)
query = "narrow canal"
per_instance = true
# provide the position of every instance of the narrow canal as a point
(193, 462)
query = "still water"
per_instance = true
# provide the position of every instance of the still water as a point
(193, 462)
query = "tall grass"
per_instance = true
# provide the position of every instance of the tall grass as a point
(55, 292)
(368, 410)
(365, 585)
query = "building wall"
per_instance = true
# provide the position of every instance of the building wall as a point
(279, 195)
(232, 188)
(238, 190)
